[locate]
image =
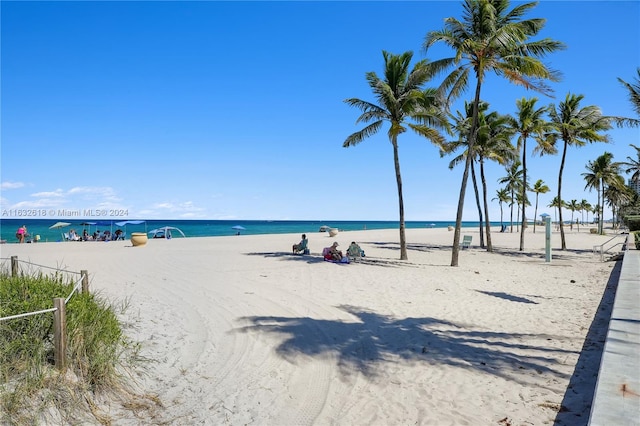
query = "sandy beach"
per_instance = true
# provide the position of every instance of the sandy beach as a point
(243, 332)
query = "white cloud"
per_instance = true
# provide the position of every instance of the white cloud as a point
(11, 185)
(103, 193)
(58, 193)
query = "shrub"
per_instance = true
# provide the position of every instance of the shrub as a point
(633, 222)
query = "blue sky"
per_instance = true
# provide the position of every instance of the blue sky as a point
(234, 110)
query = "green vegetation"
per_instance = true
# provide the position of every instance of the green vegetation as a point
(636, 236)
(32, 390)
(633, 222)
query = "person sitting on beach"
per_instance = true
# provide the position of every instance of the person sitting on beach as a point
(73, 236)
(332, 253)
(354, 251)
(301, 246)
(85, 235)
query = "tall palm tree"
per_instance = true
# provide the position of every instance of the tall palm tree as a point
(512, 180)
(400, 99)
(601, 173)
(538, 188)
(575, 126)
(493, 143)
(491, 38)
(461, 124)
(529, 122)
(502, 196)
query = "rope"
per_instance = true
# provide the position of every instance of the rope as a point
(77, 285)
(75, 288)
(28, 314)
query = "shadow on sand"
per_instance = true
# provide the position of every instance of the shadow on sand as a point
(317, 258)
(576, 404)
(373, 339)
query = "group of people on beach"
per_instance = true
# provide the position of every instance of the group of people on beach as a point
(97, 235)
(331, 253)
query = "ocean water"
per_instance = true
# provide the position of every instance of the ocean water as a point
(202, 228)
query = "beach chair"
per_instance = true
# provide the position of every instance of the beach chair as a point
(354, 252)
(466, 242)
(302, 248)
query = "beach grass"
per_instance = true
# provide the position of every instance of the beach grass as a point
(32, 390)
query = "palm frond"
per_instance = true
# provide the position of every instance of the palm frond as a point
(357, 137)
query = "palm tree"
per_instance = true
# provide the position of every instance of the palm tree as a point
(557, 203)
(512, 180)
(618, 194)
(575, 126)
(633, 166)
(529, 122)
(502, 196)
(461, 125)
(634, 92)
(585, 207)
(538, 188)
(601, 173)
(490, 38)
(493, 143)
(400, 98)
(573, 206)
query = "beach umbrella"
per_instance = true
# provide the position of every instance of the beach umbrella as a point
(238, 228)
(60, 225)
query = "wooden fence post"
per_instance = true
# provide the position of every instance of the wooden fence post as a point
(59, 333)
(85, 280)
(14, 266)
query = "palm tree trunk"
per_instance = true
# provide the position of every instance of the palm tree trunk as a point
(535, 215)
(396, 161)
(600, 208)
(486, 207)
(562, 239)
(478, 204)
(524, 191)
(455, 251)
(511, 217)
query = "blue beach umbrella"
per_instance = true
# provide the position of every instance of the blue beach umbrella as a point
(238, 228)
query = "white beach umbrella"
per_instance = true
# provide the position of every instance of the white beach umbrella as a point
(60, 225)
